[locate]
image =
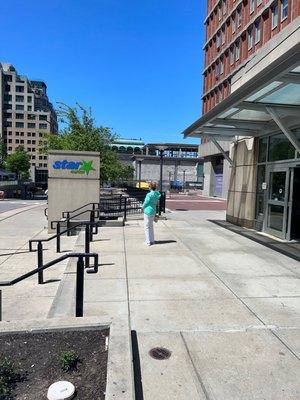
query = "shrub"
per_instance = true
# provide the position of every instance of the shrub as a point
(68, 360)
(8, 377)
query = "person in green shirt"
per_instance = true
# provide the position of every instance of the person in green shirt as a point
(149, 207)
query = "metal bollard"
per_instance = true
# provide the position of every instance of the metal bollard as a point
(68, 224)
(40, 263)
(79, 287)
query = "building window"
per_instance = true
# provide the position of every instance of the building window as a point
(252, 6)
(250, 38)
(20, 99)
(257, 31)
(223, 42)
(275, 16)
(19, 107)
(284, 9)
(19, 124)
(224, 7)
(20, 89)
(237, 50)
(217, 70)
(29, 108)
(43, 117)
(31, 125)
(29, 99)
(42, 126)
(7, 97)
(239, 16)
(231, 55)
(33, 134)
(28, 141)
(233, 23)
(7, 124)
(7, 88)
(8, 78)
(19, 116)
(31, 116)
(220, 12)
(218, 40)
(221, 66)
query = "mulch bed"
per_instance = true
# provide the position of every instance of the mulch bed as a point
(36, 356)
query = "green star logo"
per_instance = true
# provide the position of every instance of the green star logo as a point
(86, 167)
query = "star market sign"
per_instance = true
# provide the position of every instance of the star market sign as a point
(75, 167)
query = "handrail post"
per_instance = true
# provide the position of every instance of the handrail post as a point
(58, 237)
(87, 245)
(0, 305)
(40, 263)
(120, 203)
(125, 208)
(68, 224)
(92, 221)
(79, 287)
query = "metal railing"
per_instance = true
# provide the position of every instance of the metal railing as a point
(88, 237)
(94, 213)
(79, 277)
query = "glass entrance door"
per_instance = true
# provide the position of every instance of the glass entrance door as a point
(276, 215)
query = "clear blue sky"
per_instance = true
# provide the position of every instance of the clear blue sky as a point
(136, 63)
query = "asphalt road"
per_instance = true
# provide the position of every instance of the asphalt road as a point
(7, 205)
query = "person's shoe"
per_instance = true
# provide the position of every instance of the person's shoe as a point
(152, 243)
(147, 244)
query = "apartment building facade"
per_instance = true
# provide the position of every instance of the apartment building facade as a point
(251, 111)
(26, 114)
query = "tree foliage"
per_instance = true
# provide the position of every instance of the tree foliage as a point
(18, 162)
(2, 152)
(81, 134)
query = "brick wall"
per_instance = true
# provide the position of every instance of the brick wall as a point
(235, 31)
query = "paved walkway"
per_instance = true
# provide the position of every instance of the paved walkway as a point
(28, 300)
(226, 307)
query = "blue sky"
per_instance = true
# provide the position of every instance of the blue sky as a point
(136, 63)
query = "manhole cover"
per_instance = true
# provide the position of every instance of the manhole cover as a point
(160, 353)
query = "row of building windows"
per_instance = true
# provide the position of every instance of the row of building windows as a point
(8, 115)
(230, 29)
(18, 98)
(30, 125)
(30, 134)
(254, 37)
(18, 107)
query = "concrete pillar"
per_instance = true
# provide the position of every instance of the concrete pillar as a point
(74, 180)
(208, 177)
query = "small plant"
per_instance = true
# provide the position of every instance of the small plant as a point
(8, 377)
(69, 360)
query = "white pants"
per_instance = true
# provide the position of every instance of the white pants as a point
(149, 230)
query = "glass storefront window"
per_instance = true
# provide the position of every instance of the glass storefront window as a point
(277, 186)
(276, 217)
(262, 149)
(280, 148)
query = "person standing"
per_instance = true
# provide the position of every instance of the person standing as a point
(149, 207)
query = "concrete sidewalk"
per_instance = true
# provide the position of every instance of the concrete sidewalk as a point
(27, 300)
(226, 307)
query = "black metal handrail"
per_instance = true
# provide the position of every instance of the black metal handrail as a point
(93, 213)
(79, 277)
(79, 208)
(88, 236)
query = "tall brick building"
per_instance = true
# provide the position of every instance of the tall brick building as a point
(250, 127)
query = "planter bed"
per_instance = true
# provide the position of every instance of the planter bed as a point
(36, 357)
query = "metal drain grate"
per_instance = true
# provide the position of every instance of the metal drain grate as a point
(160, 353)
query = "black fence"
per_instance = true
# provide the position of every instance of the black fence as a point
(127, 204)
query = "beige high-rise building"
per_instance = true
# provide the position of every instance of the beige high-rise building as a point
(25, 114)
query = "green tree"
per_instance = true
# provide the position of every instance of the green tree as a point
(2, 152)
(18, 162)
(81, 134)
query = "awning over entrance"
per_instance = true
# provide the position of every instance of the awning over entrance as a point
(267, 102)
